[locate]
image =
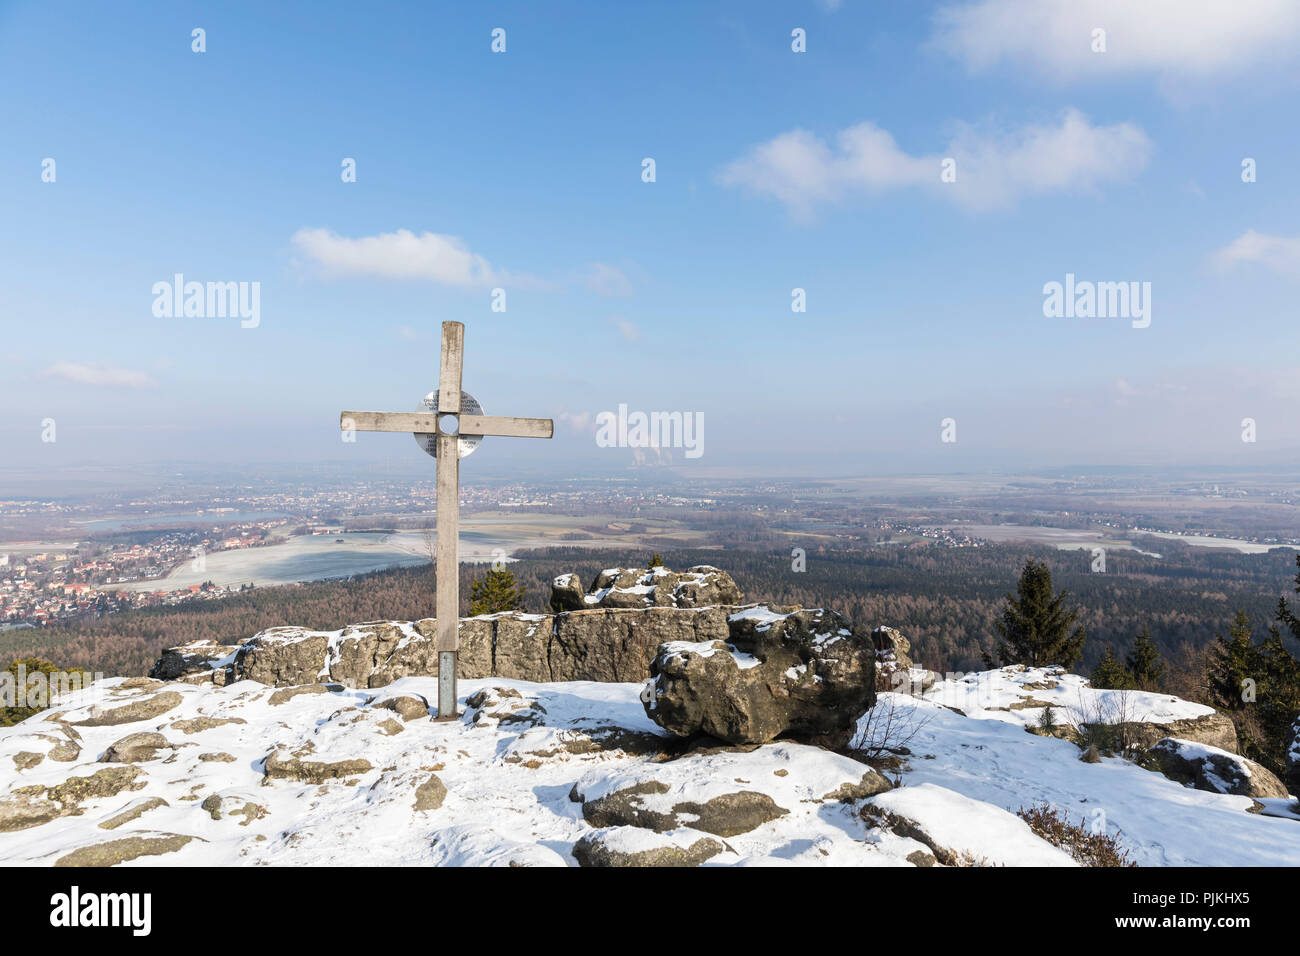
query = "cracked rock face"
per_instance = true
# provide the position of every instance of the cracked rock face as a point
(807, 674)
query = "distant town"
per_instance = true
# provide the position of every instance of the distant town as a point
(66, 558)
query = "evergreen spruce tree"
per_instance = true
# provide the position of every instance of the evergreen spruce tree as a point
(1284, 613)
(1036, 625)
(1278, 700)
(656, 560)
(1110, 674)
(1233, 659)
(1145, 663)
(498, 591)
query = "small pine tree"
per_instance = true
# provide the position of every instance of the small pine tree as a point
(1036, 624)
(1047, 721)
(1145, 663)
(497, 591)
(1109, 673)
(656, 560)
(1233, 659)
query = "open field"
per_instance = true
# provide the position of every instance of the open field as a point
(1076, 538)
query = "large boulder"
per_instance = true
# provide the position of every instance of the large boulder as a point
(567, 593)
(700, 586)
(1214, 769)
(803, 673)
(619, 644)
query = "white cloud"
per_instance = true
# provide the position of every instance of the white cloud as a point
(1279, 253)
(579, 423)
(993, 167)
(1167, 37)
(397, 255)
(408, 334)
(607, 280)
(438, 258)
(80, 373)
(629, 330)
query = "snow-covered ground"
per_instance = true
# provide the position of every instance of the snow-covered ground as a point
(348, 774)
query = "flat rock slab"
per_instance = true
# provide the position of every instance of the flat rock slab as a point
(144, 709)
(132, 811)
(128, 848)
(725, 793)
(136, 748)
(634, 846)
(289, 693)
(282, 766)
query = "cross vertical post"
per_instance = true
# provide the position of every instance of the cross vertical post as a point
(448, 515)
(449, 425)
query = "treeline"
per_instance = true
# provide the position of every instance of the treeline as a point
(945, 600)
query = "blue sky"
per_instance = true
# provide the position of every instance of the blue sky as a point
(774, 170)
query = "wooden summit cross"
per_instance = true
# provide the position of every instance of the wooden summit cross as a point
(449, 427)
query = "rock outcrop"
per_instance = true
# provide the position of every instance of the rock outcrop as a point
(1213, 730)
(1214, 769)
(700, 586)
(807, 674)
(609, 633)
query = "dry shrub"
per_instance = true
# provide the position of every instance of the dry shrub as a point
(1089, 849)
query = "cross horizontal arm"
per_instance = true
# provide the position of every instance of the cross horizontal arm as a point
(422, 422)
(427, 423)
(506, 427)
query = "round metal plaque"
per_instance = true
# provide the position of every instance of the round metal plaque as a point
(467, 443)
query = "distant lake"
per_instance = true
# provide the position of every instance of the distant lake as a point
(317, 557)
(304, 558)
